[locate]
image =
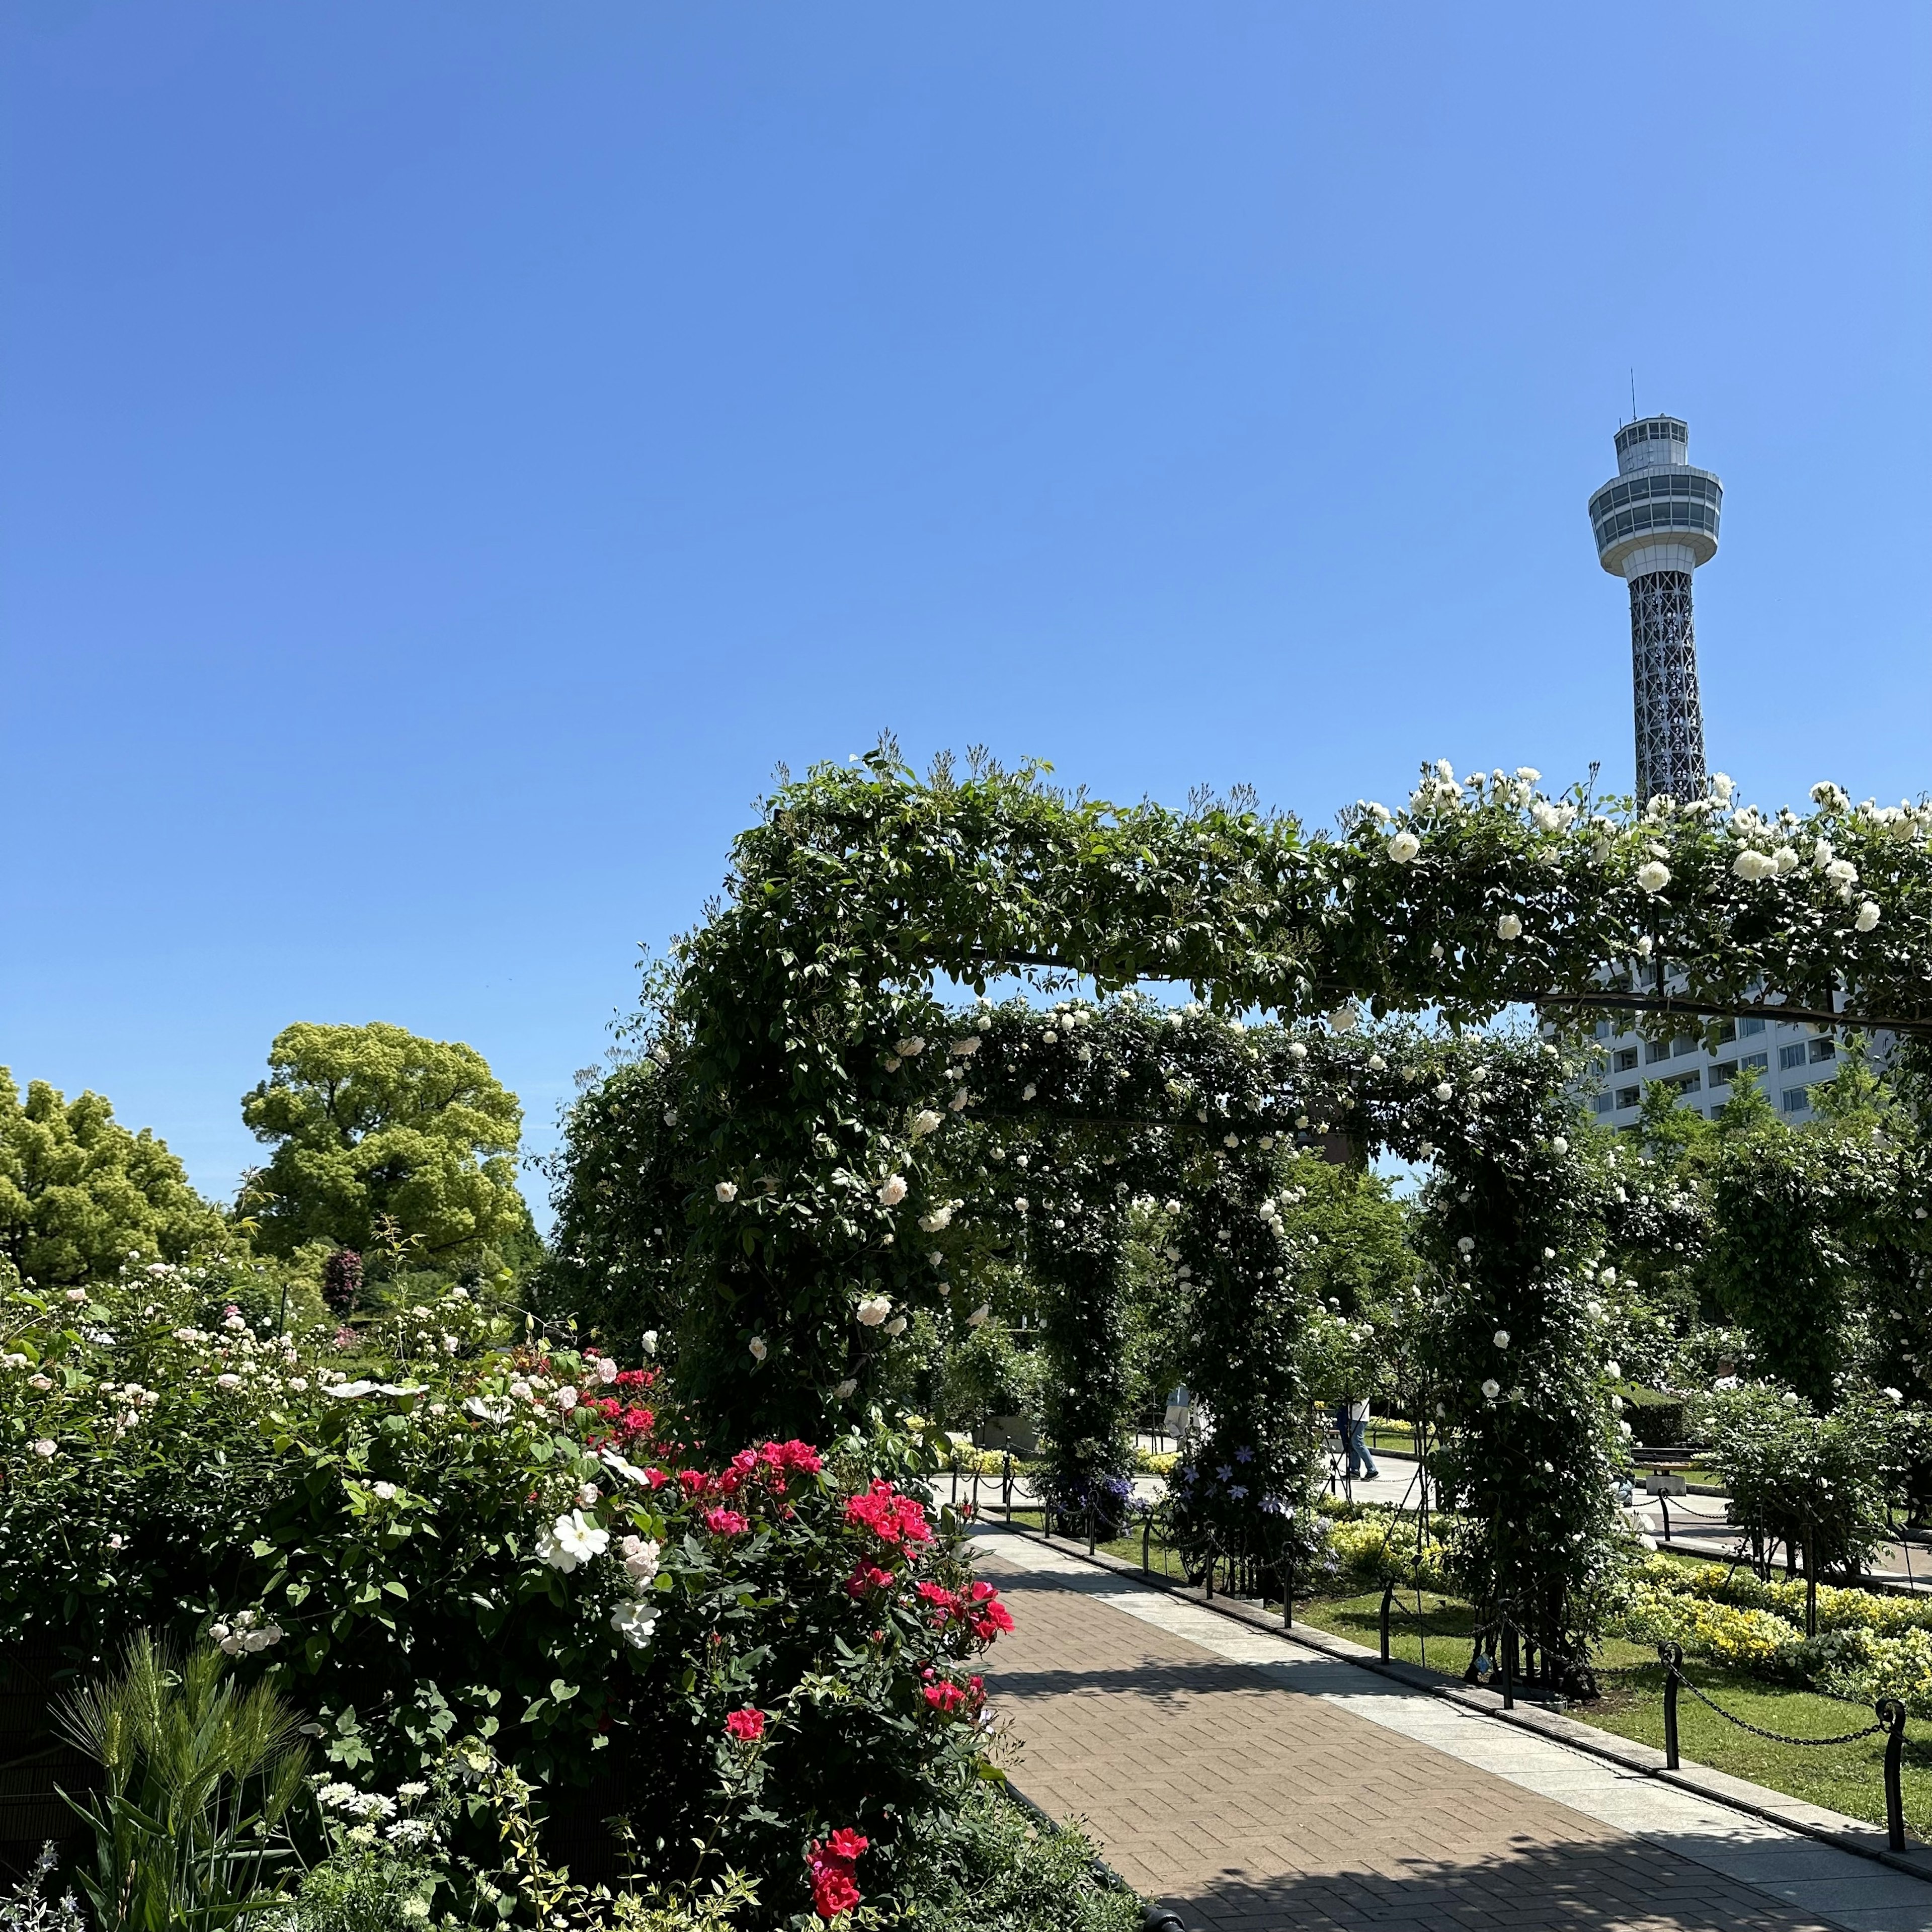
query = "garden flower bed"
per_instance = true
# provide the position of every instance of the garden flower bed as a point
(446, 1539)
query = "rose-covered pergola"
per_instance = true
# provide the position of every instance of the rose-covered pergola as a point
(818, 1123)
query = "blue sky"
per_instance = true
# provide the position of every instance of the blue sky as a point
(450, 454)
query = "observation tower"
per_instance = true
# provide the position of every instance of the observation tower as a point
(1655, 524)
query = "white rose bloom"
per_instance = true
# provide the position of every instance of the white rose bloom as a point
(384, 1493)
(608, 1370)
(1561, 1145)
(941, 1217)
(1346, 1018)
(756, 1346)
(1501, 1338)
(566, 1399)
(1465, 1246)
(896, 1326)
(1491, 1388)
(1615, 1370)
(635, 1621)
(924, 1122)
(571, 1540)
(911, 1048)
(1377, 1064)
(1444, 1091)
(873, 1309)
(846, 1390)
(650, 1341)
(977, 1319)
(1403, 847)
(1722, 786)
(1444, 769)
(1508, 926)
(1654, 877)
(892, 1189)
(1753, 866)
(1868, 917)
(728, 1190)
(45, 1446)
(641, 1555)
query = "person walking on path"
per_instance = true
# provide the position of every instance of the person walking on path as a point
(1351, 1417)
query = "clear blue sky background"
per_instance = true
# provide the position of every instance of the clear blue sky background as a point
(450, 452)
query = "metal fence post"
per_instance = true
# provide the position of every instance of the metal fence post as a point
(1509, 1666)
(1810, 1580)
(1006, 1489)
(1147, 1537)
(1672, 1655)
(1891, 1715)
(1388, 1592)
(1089, 1526)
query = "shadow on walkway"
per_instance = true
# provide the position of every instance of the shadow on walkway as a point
(1605, 1887)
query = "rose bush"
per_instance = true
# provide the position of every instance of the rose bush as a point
(447, 1529)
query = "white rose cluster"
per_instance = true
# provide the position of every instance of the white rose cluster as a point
(245, 1634)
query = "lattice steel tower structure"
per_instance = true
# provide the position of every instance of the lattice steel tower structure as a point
(1655, 524)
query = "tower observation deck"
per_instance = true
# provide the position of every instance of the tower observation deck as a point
(1655, 523)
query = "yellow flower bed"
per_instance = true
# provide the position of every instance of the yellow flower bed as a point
(1868, 1646)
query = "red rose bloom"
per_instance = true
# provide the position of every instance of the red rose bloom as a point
(890, 1516)
(834, 1887)
(747, 1726)
(725, 1522)
(834, 1890)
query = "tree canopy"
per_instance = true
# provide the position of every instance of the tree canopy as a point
(79, 1193)
(375, 1127)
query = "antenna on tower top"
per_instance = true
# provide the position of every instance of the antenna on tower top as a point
(1633, 395)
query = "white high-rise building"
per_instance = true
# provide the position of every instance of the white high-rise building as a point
(1790, 1055)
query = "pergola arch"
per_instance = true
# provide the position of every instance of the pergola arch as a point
(799, 1150)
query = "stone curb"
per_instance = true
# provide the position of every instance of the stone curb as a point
(1774, 1808)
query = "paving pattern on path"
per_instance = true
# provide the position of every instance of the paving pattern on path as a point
(1219, 1783)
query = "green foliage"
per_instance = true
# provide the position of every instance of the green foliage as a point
(371, 1126)
(1814, 1482)
(199, 1774)
(435, 1547)
(79, 1194)
(986, 1375)
(1783, 1254)
(990, 1864)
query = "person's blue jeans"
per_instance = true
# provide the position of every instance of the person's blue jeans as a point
(1356, 1435)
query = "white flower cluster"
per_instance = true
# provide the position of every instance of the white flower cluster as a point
(246, 1633)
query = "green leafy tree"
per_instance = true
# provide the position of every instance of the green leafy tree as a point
(79, 1193)
(386, 1141)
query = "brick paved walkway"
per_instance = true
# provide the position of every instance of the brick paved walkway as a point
(1244, 1803)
